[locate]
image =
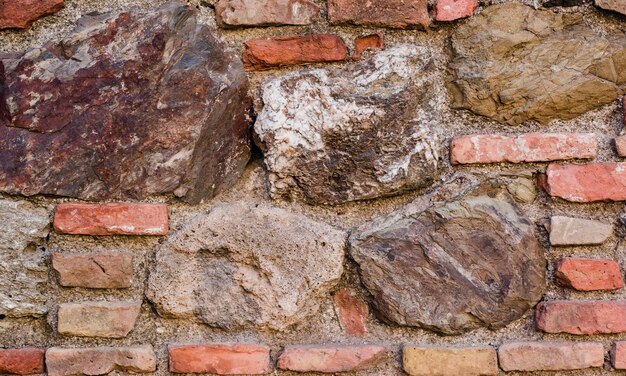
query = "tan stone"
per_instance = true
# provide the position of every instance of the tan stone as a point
(449, 361)
(266, 12)
(98, 319)
(618, 6)
(578, 231)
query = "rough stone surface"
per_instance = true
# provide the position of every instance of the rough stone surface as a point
(620, 146)
(550, 356)
(589, 274)
(23, 268)
(246, 265)
(589, 182)
(578, 231)
(581, 317)
(448, 361)
(24, 361)
(220, 359)
(355, 133)
(352, 312)
(98, 270)
(451, 10)
(130, 104)
(512, 63)
(100, 360)
(385, 13)
(618, 355)
(533, 147)
(266, 12)
(367, 42)
(98, 319)
(111, 219)
(21, 14)
(331, 358)
(475, 249)
(267, 53)
(618, 6)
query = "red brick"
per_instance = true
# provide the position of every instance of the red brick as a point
(220, 359)
(588, 183)
(581, 317)
(450, 10)
(352, 312)
(330, 358)
(111, 219)
(618, 355)
(550, 356)
(20, 14)
(367, 42)
(385, 13)
(532, 147)
(98, 270)
(100, 360)
(24, 361)
(589, 274)
(620, 146)
(267, 53)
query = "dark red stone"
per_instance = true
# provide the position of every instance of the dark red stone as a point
(20, 14)
(131, 104)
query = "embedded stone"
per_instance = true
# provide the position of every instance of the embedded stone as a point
(23, 226)
(222, 268)
(98, 319)
(100, 360)
(618, 6)
(578, 231)
(98, 270)
(130, 104)
(475, 248)
(266, 12)
(21, 14)
(360, 132)
(514, 64)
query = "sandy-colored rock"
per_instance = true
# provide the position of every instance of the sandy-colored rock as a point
(266, 12)
(246, 265)
(589, 274)
(578, 231)
(581, 317)
(130, 104)
(513, 63)
(470, 261)
(380, 13)
(550, 356)
(449, 361)
(23, 267)
(20, 14)
(97, 270)
(100, 360)
(331, 358)
(618, 6)
(220, 359)
(523, 189)
(98, 319)
(359, 132)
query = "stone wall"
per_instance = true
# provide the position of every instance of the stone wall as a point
(301, 187)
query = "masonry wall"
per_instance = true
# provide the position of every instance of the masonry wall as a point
(375, 188)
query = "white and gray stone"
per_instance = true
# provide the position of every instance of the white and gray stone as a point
(578, 231)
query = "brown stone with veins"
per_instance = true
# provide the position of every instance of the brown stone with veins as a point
(130, 104)
(20, 14)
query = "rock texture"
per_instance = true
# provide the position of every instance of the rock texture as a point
(98, 270)
(23, 267)
(366, 131)
(246, 265)
(385, 13)
(100, 360)
(266, 12)
(618, 6)
(476, 249)
(130, 104)
(21, 14)
(98, 319)
(513, 64)
(578, 231)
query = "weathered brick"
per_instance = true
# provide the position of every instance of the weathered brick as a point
(220, 359)
(581, 317)
(267, 53)
(618, 355)
(550, 356)
(352, 312)
(588, 183)
(100, 360)
(98, 270)
(532, 147)
(21, 14)
(620, 146)
(367, 42)
(385, 13)
(266, 12)
(111, 219)
(589, 274)
(450, 10)
(330, 358)
(98, 319)
(449, 361)
(578, 231)
(24, 361)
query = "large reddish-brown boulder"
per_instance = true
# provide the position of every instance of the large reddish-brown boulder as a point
(130, 104)
(21, 14)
